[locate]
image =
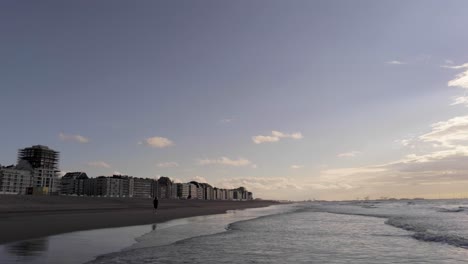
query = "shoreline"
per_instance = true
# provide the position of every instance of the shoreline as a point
(29, 217)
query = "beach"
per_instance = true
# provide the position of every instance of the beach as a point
(27, 217)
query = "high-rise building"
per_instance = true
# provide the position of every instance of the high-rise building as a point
(44, 162)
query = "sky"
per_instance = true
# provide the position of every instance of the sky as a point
(291, 99)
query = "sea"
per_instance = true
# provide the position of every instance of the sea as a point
(396, 231)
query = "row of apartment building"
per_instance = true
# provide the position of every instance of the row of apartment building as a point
(37, 173)
(78, 183)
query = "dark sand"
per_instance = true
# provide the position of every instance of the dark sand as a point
(26, 217)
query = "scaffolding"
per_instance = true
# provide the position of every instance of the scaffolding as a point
(40, 157)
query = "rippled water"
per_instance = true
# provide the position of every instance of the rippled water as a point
(372, 232)
(387, 232)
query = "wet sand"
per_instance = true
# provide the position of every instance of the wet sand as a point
(27, 217)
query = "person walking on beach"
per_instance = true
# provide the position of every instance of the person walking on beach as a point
(155, 203)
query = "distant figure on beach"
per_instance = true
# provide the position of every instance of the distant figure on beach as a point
(155, 203)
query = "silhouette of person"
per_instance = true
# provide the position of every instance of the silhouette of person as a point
(155, 204)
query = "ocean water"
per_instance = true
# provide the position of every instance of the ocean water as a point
(420, 231)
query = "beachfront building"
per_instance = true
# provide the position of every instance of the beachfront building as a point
(73, 183)
(164, 188)
(198, 191)
(128, 185)
(142, 187)
(219, 194)
(230, 195)
(193, 190)
(183, 190)
(207, 191)
(109, 187)
(44, 162)
(174, 191)
(16, 179)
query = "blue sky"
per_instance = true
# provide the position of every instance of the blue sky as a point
(345, 94)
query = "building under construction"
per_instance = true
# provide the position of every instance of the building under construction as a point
(44, 161)
(40, 157)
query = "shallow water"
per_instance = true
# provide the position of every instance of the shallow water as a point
(84, 246)
(308, 235)
(346, 232)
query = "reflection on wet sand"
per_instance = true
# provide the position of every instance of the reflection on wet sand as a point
(28, 248)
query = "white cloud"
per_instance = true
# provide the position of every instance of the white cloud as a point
(75, 138)
(297, 167)
(226, 161)
(350, 154)
(117, 173)
(199, 179)
(99, 164)
(395, 62)
(275, 137)
(170, 164)
(157, 142)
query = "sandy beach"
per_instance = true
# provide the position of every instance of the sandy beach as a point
(26, 217)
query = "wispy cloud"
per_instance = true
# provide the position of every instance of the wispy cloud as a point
(157, 142)
(260, 183)
(275, 137)
(460, 80)
(460, 100)
(225, 120)
(99, 164)
(439, 156)
(404, 142)
(170, 164)
(295, 167)
(448, 133)
(395, 62)
(240, 162)
(75, 138)
(350, 154)
(445, 159)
